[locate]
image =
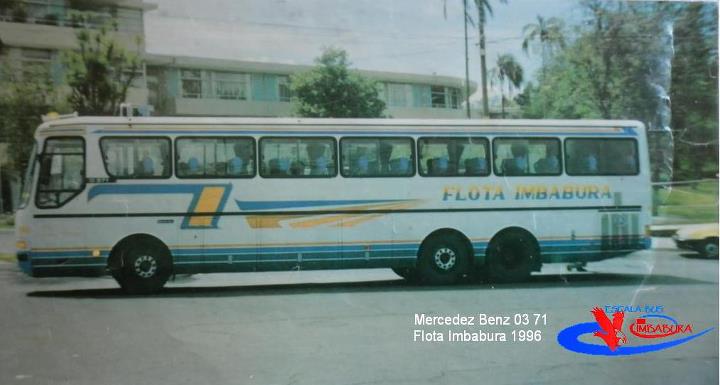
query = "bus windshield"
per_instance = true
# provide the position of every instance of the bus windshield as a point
(62, 172)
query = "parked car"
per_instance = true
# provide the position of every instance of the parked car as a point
(700, 238)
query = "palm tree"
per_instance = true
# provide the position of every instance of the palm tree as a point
(508, 72)
(484, 9)
(549, 33)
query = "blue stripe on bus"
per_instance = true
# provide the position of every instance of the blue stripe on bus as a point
(259, 254)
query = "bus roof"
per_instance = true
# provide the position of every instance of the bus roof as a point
(321, 124)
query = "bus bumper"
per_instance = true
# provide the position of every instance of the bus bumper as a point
(24, 262)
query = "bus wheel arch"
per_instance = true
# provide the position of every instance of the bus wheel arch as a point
(140, 263)
(512, 254)
(444, 256)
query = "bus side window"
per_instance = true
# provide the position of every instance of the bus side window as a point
(453, 156)
(377, 157)
(611, 156)
(298, 157)
(136, 158)
(215, 157)
(527, 156)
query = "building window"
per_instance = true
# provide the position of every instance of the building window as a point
(438, 97)
(284, 92)
(229, 85)
(192, 84)
(454, 98)
(397, 95)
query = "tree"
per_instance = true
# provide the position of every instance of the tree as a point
(99, 72)
(484, 9)
(509, 73)
(694, 92)
(25, 95)
(617, 67)
(549, 33)
(332, 90)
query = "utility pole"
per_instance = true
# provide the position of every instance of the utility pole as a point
(467, 62)
(483, 66)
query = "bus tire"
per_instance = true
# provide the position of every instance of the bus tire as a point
(709, 248)
(511, 256)
(145, 266)
(443, 260)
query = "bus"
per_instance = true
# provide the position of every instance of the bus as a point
(143, 198)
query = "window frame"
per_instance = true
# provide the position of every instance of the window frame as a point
(330, 176)
(198, 79)
(437, 93)
(633, 140)
(84, 173)
(561, 155)
(170, 149)
(488, 156)
(175, 159)
(413, 154)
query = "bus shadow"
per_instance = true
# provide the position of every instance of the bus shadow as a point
(393, 285)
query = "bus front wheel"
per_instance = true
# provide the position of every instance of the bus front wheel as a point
(510, 257)
(145, 267)
(443, 260)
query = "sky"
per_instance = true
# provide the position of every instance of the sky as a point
(411, 36)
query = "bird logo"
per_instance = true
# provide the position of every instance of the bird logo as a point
(610, 332)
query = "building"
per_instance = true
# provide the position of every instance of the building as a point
(190, 86)
(34, 33)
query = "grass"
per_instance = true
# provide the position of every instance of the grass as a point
(4, 257)
(690, 204)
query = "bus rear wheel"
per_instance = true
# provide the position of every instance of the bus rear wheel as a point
(443, 260)
(145, 267)
(510, 257)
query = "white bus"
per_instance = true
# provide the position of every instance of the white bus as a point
(435, 200)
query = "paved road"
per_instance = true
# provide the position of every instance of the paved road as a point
(343, 327)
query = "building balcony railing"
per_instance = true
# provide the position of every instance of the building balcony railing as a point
(118, 19)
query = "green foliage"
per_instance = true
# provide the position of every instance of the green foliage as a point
(694, 92)
(548, 32)
(507, 73)
(99, 72)
(618, 66)
(332, 90)
(25, 97)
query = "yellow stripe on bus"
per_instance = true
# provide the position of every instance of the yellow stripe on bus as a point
(208, 202)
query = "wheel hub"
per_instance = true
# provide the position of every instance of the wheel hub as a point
(711, 249)
(445, 258)
(145, 266)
